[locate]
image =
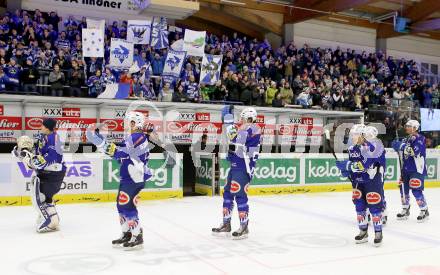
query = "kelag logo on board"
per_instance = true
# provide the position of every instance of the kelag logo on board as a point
(162, 176)
(269, 171)
(324, 170)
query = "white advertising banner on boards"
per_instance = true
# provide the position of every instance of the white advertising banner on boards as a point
(10, 121)
(83, 175)
(71, 121)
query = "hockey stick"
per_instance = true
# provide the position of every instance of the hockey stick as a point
(401, 168)
(327, 137)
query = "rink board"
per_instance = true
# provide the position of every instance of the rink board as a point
(306, 173)
(89, 178)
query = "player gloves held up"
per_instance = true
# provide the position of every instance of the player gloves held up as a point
(109, 149)
(347, 166)
(231, 131)
(32, 161)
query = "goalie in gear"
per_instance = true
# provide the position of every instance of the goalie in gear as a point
(414, 170)
(132, 155)
(244, 147)
(366, 168)
(47, 162)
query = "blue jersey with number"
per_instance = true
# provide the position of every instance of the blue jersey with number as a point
(247, 147)
(49, 147)
(366, 161)
(133, 154)
(414, 154)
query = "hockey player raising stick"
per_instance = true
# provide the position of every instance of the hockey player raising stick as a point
(47, 162)
(244, 147)
(365, 168)
(132, 154)
(414, 170)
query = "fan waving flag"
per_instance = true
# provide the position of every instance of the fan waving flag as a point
(95, 24)
(139, 31)
(121, 53)
(93, 43)
(116, 90)
(159, 33)
(194, 42)
(211, 67)
(174, 63)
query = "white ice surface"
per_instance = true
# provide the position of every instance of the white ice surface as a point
(294, 234)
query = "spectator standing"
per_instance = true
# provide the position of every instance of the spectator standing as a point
(95, 84)
(56, 81)
(13, 71)
(76, 79)
(271, 92)
(29, 77)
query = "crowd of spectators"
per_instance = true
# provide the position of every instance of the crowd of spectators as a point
(41, 53)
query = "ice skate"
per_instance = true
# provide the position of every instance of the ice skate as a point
(241, 233)
(404, 214)
(423, 216)
(223, 230)
(378, 238)
(362, 237)
(135, 243)
(125, 237)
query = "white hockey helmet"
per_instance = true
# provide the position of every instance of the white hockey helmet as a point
(413, 123)
(358, 129)
(249, 112)
(371, 132)
(137, 117)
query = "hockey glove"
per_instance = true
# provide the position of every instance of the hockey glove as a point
(110, 149)
(231, 132)
(397, 145)
(38, 162)
(342, 165)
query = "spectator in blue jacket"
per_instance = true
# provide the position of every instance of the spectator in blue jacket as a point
(4, 80)
(13, 71)
(157, 64)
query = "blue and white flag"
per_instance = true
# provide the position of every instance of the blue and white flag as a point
(116, 90)
(211, 69)
(93, 43)
(141, 4)
(139, 31)
(194, 42)
(159, 33)
(174, 63)
(121, 53)
(95, 24)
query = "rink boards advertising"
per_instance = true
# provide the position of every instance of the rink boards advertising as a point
(89, 178)
(301, 173)
(184, 126)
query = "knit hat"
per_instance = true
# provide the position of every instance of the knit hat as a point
(50, 123)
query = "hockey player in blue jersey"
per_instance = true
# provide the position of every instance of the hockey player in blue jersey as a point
(414, 170)
(47, 162)
(244, 147)
(132, 155)
(365, 168)
(371, 134)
